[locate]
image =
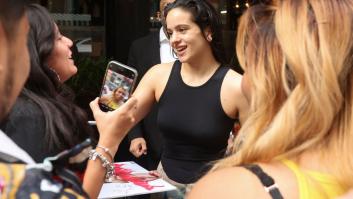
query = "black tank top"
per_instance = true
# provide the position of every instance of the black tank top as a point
(193, 124)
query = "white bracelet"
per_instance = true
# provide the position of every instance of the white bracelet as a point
(105, 149)
(93, 154)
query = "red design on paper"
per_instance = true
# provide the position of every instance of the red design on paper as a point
(128, 176)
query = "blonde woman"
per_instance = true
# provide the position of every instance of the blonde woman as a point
(297, 56)
(114, 99)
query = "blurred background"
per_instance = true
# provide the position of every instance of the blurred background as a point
(106, 28)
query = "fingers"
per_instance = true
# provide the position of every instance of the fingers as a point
(134, 149)
(155, 173)
(143, 148)
(145, 176)
(137, 153)
(95, 107)
(138, 149)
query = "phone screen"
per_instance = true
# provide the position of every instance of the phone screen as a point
(117, 86)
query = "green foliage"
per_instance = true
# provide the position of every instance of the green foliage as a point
(87, 83)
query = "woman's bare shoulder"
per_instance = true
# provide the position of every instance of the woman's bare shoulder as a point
(232, 84)
(156, 78)
(161, 68)
(233, 182)
(157, 73)
(233, 99)
(233, 78)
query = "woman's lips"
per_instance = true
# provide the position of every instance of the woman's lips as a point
(181, 51)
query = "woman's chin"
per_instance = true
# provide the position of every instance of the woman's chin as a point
(73, 70)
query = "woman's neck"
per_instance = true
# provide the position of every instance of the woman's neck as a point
(198, 72)
(314, 160)
(201, 65)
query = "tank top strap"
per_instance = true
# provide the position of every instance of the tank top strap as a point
(176, 68)
(174, 77)
(220, 72)
(267, 181)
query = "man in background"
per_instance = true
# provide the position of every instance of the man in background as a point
(146, 140)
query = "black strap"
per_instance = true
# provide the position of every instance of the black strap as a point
(268, 182)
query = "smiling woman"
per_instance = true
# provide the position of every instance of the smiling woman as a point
(44, 121)
(206, 22)
(60, 59)
(194, 95)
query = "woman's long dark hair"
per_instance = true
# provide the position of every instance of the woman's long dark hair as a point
(65, 123)
(205, 16)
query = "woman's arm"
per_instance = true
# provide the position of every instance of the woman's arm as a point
(150, 88)
(114, 125)
(233, 100)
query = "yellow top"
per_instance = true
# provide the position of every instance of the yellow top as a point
(112, 104)
(313, 184)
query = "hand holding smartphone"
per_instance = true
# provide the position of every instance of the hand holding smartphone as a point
(118, 84)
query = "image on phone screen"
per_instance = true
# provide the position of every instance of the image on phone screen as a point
(117, 86)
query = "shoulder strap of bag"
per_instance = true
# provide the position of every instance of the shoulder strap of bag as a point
(266, 180)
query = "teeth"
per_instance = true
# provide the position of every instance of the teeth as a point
(181, 49)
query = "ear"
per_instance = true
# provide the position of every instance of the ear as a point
(208, 34)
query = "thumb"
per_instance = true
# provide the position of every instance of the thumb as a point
(95, 107)
(144, 148)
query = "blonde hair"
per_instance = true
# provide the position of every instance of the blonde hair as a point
(299, 57)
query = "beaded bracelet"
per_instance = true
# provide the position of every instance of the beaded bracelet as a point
(106, 150)
(93, 154)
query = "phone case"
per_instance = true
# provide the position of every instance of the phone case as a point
(118, 84)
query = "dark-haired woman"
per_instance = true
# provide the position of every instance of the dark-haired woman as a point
(198, 97)
(198, 100)
(44, 121)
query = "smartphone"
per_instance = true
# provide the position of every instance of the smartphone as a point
(118, 84)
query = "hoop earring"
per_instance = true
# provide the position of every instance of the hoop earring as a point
(54, 71)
